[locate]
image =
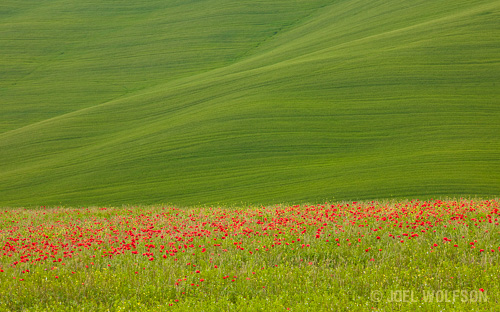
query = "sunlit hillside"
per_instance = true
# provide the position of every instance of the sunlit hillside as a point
(216, 101)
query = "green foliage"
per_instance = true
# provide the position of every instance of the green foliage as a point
(221, 101)
(207, 259)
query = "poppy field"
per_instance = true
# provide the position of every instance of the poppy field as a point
(325, 257)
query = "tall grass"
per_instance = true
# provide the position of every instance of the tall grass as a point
(344, 256)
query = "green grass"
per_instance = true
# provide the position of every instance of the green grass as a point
(331, 257)
(237, 101)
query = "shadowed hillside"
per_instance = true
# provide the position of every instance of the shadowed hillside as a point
(225, 102)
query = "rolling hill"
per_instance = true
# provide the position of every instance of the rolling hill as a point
(227, 102)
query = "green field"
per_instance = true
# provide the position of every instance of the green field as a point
(216, 101)
(344, 256)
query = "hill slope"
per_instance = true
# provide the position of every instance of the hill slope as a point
(221, 101)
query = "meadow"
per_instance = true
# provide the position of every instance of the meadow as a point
(247, 102)
(144, 144)
(435, 255)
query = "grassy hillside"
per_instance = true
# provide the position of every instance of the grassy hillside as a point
(220, 101)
